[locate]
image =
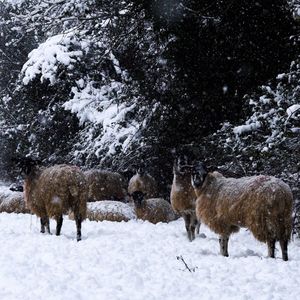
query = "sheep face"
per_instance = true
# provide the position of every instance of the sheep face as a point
(138, 198)
(182, 166)
(141, 169)
(199, 174)
(26, 164)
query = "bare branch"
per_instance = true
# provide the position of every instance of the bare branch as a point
(186, 265)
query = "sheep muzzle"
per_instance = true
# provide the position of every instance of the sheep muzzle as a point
(138, 198)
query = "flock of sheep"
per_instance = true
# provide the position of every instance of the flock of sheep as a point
(263, 204)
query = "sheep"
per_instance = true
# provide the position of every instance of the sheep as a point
(105, 185)
(143, 182)
(12, 202)
(53, 191)
(183, 197)
(153, 210)
(263, 204)
(16, 187)
(108, 210)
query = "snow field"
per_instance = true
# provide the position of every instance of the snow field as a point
(138, 260)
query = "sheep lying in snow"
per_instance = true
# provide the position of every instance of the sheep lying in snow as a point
(12, 202)
(105, 185)
(53, 191)
(263, 204)
(108, 210)
(143, 182)
(183, 197)
(153, 210)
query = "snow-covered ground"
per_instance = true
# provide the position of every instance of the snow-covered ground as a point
(138, 260)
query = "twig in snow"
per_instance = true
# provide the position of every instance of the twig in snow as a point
(186, 265)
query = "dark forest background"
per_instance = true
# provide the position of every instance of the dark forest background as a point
(120, 84)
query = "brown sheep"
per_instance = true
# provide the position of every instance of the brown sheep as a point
(52, 192)
(143, 182)
(105, 185)
(153, 210)
(108, 210)
(183, 197)
(263, 204)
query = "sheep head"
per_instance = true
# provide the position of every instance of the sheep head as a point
(141, 168)
(26, 164)
(199, 174)
(182, 165)
(138, 198)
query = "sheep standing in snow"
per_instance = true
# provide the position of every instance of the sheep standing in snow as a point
(52, 192)
(105, 185)
(143, 182)
(153, 210)
(263, 204)
(183, 197)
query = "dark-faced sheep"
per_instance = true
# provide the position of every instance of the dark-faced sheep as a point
(54, 191)
(143, 182)
(153, 210)
(183, 197)
(263, 204)
(105, 185)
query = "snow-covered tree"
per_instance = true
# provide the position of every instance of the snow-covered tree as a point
(114, 83)
(79, 68)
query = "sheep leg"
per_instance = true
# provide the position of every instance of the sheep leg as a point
(271, 248)
(187, 221)
(193, 226)
(78, 221)
(284, 249)
(198, 227)
(59, 222)
(45, 223)
(42, 225)
(224, 245)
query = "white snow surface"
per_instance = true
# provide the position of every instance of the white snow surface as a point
(138, 260)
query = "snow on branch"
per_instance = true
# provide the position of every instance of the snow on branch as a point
(246, 128)
(55, 51)
(292, 110)
(101, 108)
(97, 105)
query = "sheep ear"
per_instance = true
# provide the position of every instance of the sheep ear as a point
(175, 166)
(210, 177)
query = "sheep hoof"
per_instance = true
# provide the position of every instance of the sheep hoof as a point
(191, 238)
